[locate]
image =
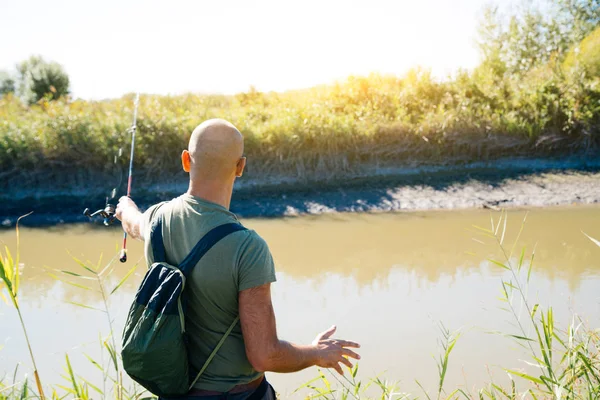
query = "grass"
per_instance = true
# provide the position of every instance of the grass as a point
(564, 362)
(322, 133)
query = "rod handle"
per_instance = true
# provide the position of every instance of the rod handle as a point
(123, 257)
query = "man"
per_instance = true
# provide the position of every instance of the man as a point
(233, 278)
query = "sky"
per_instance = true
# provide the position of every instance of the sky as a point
(113, 47)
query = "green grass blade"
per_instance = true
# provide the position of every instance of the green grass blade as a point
(525, 376)
(531, 264)
(535, 307)
(423, 389)
(82, 264)
(10, 267)
(72, 273)
(85, 306)
(113, 354)
(122, 281)
(521, 338)
(77, 285)
(498, 263)
(88, 383)
(94, 363)
(521, 258)
(6, 273)
(588, 365)
(72, 377)
(504, 229)
(67, 389)
(498, 388)
(25, 390)
(14, 380)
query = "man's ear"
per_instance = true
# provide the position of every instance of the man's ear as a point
(239, 170)
(186, 161)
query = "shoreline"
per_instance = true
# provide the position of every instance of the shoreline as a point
(502, 183)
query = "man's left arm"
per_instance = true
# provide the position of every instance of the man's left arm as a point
(131, 218)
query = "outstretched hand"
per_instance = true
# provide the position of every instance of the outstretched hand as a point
(331, 352)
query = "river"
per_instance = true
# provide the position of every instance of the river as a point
(387, 280)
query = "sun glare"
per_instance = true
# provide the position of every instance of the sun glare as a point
(186, 46)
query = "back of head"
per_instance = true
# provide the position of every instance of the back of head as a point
(215, 149)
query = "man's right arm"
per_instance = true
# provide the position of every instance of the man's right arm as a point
(266, 352)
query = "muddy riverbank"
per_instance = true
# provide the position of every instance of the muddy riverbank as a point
(499, 184)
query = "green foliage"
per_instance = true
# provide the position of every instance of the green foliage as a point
(586, 54)
(537, 34)
(39, 79)
(578, 17)
(324, 132)
(522, 100)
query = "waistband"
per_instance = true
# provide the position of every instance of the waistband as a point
(244, 387)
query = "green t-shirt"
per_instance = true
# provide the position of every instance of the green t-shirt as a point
(240, 261)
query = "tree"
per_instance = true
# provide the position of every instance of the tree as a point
(7, 83)
(586, 54)
(535, 34)
(580, 17)
(38, 79)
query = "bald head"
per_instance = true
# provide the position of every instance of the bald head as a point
(215, 149)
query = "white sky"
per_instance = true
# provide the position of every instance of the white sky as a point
(112, 47)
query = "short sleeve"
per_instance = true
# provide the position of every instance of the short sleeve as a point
(147, 218)
(255, 265)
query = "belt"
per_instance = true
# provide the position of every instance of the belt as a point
(244, 387)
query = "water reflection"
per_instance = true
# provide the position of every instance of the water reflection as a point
(364, 246)
(386, 280)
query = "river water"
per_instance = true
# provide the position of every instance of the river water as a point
(388, 281)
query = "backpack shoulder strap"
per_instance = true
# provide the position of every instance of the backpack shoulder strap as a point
(214, 352)
(199, 250)
(186, 266)
(156, 239)
(206, 243)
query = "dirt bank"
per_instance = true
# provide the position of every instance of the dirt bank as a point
(504, 183)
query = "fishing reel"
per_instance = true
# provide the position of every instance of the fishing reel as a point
(108, 213)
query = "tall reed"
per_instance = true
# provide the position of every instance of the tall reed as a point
(101, 276)
(10, 276)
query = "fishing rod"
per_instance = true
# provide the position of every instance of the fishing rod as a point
(123, 257)
(108, 212)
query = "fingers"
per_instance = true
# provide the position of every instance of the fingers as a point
(346, 362)
(338, 368)
(350, 353)
(327, 334)
(347, 343)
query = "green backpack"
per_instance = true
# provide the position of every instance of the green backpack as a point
(154, 347)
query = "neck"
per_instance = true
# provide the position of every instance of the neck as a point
(215, 192)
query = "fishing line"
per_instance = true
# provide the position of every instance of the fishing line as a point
(114, 191)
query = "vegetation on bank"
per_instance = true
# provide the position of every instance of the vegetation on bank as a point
(536, 92)
(563, 362)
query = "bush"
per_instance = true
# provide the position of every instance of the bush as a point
(39, 79)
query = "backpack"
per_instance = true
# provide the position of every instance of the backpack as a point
(154, 347)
